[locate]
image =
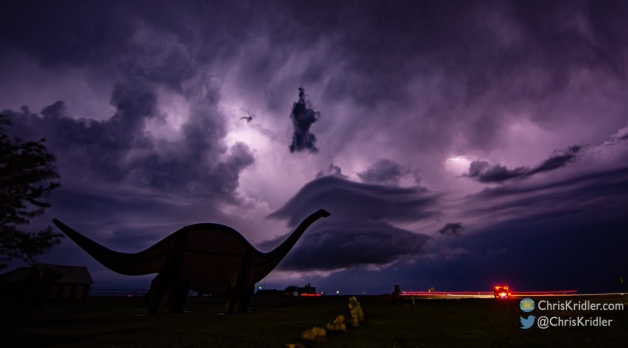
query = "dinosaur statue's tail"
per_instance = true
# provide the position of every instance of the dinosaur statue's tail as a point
(145, 262)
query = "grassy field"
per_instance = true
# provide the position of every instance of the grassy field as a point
(273, 322)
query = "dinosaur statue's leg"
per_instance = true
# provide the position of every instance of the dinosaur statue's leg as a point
(168, 292)
(238, 300)
(166, 295)
(178, 297)
(245, 298)
(238, 295)
(230, 301)
(234, 301)
(156, 296)
(174, 295)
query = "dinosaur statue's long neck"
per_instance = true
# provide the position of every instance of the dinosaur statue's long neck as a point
(273, 258)
(145, 262)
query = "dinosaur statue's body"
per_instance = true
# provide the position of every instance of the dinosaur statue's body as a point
(208, 258)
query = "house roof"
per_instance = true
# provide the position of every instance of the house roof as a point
(69, 274)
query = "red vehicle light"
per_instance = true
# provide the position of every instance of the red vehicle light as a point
(501, 291)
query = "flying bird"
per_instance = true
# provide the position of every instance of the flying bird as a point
(248, 118)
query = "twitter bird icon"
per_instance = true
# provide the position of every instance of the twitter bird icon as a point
(527, 323)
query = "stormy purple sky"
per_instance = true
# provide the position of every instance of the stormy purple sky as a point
(457, 144)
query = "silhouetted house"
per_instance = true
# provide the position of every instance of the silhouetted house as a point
(45, 282)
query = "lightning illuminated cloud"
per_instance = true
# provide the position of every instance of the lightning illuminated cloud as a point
(142, 104)
(487, 173)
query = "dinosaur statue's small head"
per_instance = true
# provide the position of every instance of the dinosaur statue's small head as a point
(324, 213)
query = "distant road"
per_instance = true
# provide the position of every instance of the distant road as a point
(488, 294)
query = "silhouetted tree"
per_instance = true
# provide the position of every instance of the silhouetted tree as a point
(27, 177)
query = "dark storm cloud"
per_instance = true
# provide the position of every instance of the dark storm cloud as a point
(161, 42)
(451, 229)
(144, 48)
(386, 172)
(568, 196)
(78, 33)
(526, 254)
(558, 159)
(540, 237)
(440, 78)
(303, 116)
(531, 254)
(120, 150)
(498, 58)
(504, 47)
(356, 201)
(483, 171)
(359, 232)
(347, 244)
(572, 224)
(100, 146)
